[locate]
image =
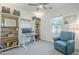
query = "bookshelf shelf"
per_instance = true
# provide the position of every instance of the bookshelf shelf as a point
(9, 15)
(9, 48)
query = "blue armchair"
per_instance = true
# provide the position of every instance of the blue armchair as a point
(65, 43)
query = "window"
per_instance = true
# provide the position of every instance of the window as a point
(57, 24)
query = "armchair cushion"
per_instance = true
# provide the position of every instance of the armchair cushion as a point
(62, 43)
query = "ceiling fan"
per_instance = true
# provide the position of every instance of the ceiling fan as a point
(40, 6)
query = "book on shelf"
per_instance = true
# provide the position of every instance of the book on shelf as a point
(1, 46)
(14, 43)
(5, 45)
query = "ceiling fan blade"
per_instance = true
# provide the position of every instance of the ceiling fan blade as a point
(37, 9)
(50, 7)
(44, 7)
(37, 4)
(43, 3)
(32, 4)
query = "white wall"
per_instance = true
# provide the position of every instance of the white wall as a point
(62, 10)
(0, 27)
(77, 37)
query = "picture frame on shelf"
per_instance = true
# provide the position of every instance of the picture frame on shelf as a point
(16, 12)
(9, 22)
(5, 10)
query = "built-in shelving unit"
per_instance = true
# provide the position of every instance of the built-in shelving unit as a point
(36, 27)
(9, 30)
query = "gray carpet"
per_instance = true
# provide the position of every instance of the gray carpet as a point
(38, 48)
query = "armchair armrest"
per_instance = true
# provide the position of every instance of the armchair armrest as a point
(56, 38)
(71, 42)
(70, 46)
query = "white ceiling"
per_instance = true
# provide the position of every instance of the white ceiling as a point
(54, 5)
(58, 8)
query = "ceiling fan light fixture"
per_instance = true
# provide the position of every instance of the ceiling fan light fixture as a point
(40, 6)
(38, 14)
